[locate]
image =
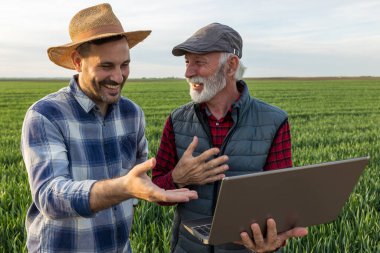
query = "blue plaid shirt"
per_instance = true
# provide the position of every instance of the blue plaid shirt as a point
(67, 146)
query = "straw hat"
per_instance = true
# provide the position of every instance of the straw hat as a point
(92, 23)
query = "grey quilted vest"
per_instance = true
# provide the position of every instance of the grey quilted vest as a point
(247, 144)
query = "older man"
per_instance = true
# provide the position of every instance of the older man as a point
(85, 148)
(243, 133)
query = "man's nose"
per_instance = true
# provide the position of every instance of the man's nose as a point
(190, 71)
(117, 75)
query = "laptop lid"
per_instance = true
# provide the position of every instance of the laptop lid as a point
(293, 197)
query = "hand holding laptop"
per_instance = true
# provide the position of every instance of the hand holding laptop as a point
(293, 198)
(197, 170)
(272, 241)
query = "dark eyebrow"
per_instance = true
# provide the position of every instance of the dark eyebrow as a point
(109, 63)
(106, 63)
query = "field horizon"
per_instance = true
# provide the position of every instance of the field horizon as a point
(299, 78)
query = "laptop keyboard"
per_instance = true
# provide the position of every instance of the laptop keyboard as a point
(203, 229)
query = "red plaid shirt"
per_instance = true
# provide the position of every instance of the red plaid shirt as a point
(279, 156)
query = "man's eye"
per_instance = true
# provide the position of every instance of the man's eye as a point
(106, 66)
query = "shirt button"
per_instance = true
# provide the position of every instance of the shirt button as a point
(217, 123)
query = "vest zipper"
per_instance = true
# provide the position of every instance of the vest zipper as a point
(222, 150)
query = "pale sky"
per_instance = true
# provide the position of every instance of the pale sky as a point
(280, 37)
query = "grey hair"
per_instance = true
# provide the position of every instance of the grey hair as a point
(224, 56)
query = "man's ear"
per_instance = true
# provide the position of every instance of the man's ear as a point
(233, 63)
(76, 58)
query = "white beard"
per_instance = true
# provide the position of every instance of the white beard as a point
(211, 86)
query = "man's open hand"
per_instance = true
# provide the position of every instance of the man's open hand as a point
(196, 170)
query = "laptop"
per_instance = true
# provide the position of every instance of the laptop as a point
(293, 197)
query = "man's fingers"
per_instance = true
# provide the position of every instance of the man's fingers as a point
(271, 231)
(295, 232)
(246, 241)
(207, 154)
(215, 174)
(178, 196)
(272, 241)
(190, 149)
(213, 179)
(190, 193)
(257, 235)
(180, 190)
(144, 167)
(216, 162)
(299, 232)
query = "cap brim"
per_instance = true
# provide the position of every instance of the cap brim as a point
(183, 51)
(61, 55)
(179, 51)
(196, 46)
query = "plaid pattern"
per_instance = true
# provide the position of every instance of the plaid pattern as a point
(218, 128)
(279, 155)
(67, 146)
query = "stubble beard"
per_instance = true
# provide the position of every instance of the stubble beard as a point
(103, 97)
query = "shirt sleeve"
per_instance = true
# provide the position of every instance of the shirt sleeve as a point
(44, 151)
(280, 153)
(166, 158)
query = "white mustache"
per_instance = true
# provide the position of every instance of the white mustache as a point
(195, 80)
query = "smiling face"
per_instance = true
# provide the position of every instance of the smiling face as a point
(103, 71)
(205, 75)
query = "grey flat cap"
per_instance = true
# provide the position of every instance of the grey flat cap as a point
(214, 37)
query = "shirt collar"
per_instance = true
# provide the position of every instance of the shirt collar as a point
(205, 109)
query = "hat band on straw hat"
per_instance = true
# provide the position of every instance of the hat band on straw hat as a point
(98, 31)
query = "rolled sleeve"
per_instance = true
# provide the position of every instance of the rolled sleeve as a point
(62, 198)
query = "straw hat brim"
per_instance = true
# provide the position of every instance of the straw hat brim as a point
(61, 55)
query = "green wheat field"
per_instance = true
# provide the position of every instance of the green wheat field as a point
(330, 119)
